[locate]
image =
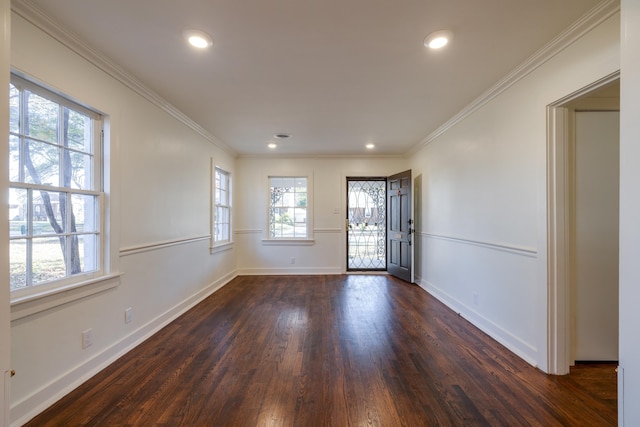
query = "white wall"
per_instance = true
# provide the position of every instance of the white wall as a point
(629, 374)
(597, 178)
(5, 347)
(159, 196)
(327, 254)
(483, 225)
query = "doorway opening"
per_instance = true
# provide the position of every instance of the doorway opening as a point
(580, 184)
(366, 224)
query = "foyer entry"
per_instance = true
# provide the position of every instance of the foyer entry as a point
(366, 224)
(379, 225)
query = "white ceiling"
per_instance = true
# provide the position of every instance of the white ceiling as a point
(336, 74)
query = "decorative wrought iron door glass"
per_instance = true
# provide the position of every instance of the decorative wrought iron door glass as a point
(367, 219)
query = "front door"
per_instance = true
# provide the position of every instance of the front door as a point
(366, 224)
(399, 226)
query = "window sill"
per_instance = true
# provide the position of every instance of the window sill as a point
(222, 247)
(37, 302)
(288, 242)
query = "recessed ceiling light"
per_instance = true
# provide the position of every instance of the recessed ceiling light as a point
(438, 39)
(370, 146)
(272, 145)
(197, 38)
(282, 135)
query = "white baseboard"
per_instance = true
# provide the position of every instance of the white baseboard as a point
(522, 349)
(32, 405)
(288, 271)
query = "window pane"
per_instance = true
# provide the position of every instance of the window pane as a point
(14, 109)
(47, 259)
(17, 212)
(84, 213)
(14, 158)
(288, 183)
(300, 230)
(43, 164)
(42, 116)
(79, 133)
(287, 199)
(47, 203)
(77, 170)
(87, 253)
(300, 216)
(18, 263)
(222, 232)
(301, 199)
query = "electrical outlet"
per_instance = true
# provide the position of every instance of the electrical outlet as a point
(128, 315)
(293, 260)
(87, 338)
(475, 298)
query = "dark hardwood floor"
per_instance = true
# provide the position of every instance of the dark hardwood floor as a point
(330, 351)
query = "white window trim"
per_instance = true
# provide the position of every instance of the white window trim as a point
(50, 298)
(34, 299)
(289, 241)
(214, 246)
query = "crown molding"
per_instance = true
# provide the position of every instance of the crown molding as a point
(582, 26)
(36, 16)
(312, 156)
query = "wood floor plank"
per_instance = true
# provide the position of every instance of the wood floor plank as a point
(330, 351)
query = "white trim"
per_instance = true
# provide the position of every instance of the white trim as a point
(214, 207)
(72, 41)
(315, 271)
(288, 242)
(221, 247)
(248, 231)
(320, 156)
(585, 24)
(517, 250)
(327, 230)
(558, 353)
(161, 245)
(522, 349)
(37, 302)
(620, 376)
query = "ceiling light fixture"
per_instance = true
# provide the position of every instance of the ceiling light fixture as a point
(438, 39)
(197, 38)
(370, 146)
(272, 145)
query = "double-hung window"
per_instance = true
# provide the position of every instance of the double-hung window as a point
(55, 190)
(222, 207)
(288, 207)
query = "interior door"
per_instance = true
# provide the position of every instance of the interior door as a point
(399, 226)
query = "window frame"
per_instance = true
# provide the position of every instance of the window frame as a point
(98, 169)
(215, 206)
(308, 238)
